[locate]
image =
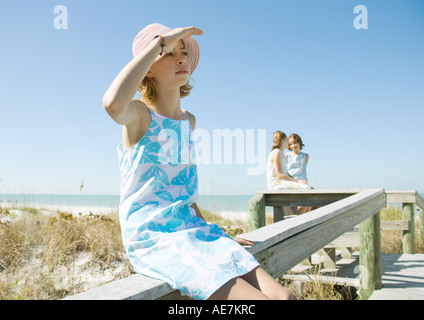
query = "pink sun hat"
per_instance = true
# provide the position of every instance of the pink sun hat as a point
(145, 36)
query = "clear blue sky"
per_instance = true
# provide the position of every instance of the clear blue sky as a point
(355, 96)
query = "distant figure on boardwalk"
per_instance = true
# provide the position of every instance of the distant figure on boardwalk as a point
(277, 173)
(297, 160)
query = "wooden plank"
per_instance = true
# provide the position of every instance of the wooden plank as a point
(313, 191)
(135, 287)
(419, 201)
(402, 277)
(332, 280)
(404, 196)
(329, 258)
(279, 214)
(395, 225)
(351, 239)
(346, 240)
(294, 198)
(306, 200)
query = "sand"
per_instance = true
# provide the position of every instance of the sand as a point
(71, 209)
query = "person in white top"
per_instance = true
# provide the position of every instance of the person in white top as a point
(297, 160)
(277, 175)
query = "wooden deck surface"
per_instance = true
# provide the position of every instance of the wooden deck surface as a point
(403, 277)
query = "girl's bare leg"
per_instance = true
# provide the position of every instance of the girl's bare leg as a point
(238, 289)
(255, 285)
(261, 280)
(302, 210)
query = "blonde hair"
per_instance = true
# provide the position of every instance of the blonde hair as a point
(277, 138)
(149, 90)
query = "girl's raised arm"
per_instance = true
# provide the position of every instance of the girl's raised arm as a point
(118, 99)
(119, 96)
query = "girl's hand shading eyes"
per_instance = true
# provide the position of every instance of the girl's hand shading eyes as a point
(171, 38)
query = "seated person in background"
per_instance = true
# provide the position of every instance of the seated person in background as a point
(297, 160)
(277, 175)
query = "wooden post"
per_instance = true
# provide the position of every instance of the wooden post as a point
(329, 258)
(421, 221)
(257, 211)
(346, 252)
(370, 256)
(279, 214)
(378, 270)
(408, 244)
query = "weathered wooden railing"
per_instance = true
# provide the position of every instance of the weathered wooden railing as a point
(359, 210)
(282, 245)
(406, 224)
(284, 200)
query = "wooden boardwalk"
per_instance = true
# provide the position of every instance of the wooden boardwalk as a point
(403, 277)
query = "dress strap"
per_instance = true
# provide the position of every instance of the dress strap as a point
(155, 114)
(152, 113)
(185, 114)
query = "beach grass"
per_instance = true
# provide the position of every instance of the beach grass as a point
(391, 240)
(317, 288)
(39, 254)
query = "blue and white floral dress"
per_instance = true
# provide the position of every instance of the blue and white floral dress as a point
(296, 165)
(162, 235)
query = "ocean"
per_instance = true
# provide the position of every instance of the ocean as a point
(215, 203)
